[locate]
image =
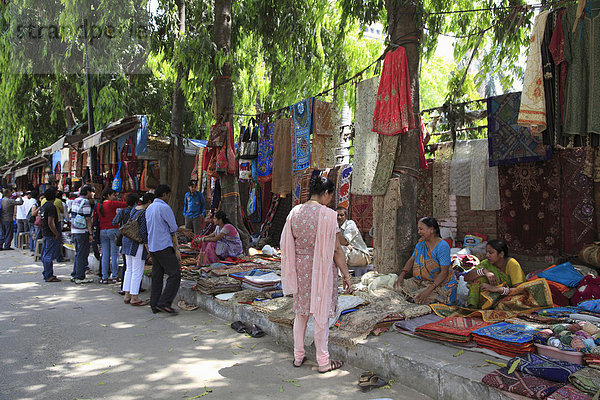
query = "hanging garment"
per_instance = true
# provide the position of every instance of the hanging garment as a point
(582, 52)
(441, 181)
(460, 168)
(301, 129)
(282, 157)
(394, 110)
(361, 212)
(388, 147)
(385, 241)
(510, 143)
(551, 74)
(325, 139)
(265, 153)
(342, 191)
(557, 49)
(324, 121)
(532, 112)
(485, 190)
(366, 147)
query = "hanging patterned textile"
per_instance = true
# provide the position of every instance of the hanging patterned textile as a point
(361, 212)
(342, 191)
(532, 112)
(485, 191)
(510, 143)
(324, 121)
(393, 113)
(388, 147)
(366, 146)
(460, 168)
(282, 157)
(385, 241)
(265, 152)
(441, 181)
(301, 129)
(325, 139)
(301, 183)
(425, 193)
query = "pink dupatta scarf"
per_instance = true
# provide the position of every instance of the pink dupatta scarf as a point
(320, 301)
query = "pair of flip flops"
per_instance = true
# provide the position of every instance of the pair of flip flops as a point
(368, 380)
(253, 330)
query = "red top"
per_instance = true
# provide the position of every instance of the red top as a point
(109, 209)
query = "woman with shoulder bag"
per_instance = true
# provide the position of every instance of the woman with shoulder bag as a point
(136, 253)
(121, 219)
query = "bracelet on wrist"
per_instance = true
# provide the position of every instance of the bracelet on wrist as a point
(481, 272)
(505, 291)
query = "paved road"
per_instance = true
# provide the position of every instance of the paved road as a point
(67, 341)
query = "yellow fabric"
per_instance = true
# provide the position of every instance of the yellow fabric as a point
(58, 204)
(513, 269)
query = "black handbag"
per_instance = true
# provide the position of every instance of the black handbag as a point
(249, 144)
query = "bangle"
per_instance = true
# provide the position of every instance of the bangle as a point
(481, 272)
(347, 278)
(505, 291)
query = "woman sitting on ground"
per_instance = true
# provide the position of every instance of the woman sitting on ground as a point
(224, 242)
(432, 281)
(498, 273)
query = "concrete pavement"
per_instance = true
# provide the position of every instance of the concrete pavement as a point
(67, 341)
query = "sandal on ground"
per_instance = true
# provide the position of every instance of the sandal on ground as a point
(127, 301)
(365, 377)
(139, 303)
(238, 326)
(333, 365)
(374, 382)
(53, 279)
(255, 331)
(301, 362)
(105, 281)
(167, 309)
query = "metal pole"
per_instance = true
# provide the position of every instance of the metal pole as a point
(90, 100)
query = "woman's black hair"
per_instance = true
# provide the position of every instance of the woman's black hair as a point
(131, 199)
(147, 198)
(499, 245)
(320, 185)
(105, 194)
(432, 223)
(222, 216)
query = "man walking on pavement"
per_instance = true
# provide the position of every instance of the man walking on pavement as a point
(52, 239)
(81, 233)
(161, 224)
(8, 217)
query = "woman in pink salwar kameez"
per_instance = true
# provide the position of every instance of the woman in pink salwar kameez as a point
(310, 253)
(224, 242)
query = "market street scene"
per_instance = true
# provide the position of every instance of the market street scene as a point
(335, 199)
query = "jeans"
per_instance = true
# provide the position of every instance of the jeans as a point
(50, 251)
(22, 226)
(164, 262)
(35, 232)
(8, 227)
(110, 252)
(82, 251)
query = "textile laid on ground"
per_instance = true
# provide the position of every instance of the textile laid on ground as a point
(460, 168)
(394, 110)
(365, 159)
(587, 380)
(569, 392)
(510, 143)
(577, 200)
(361, 212)
(214, 286)
(521, 384)
(325, 139)
(441, 181)
(545, 368)
(425, 193)
(529, 220)
(532, 112)
(268, 306)
(485, 189)
(246, 296)
(452, 329)
(385, 241)
(527, 297)
(282, 157)
(564, 273)
(265, 152)
(412, 324)
(342, 190)
(507, 339)
(301, 130)
(388, 148)
(285, 313)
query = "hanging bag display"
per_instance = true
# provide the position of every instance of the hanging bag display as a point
(218, 133)
(116, 183)
(249, 144)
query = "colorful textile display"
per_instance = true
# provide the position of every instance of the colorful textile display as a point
(485, 189)
(532, 112)
(325, 138)
(332, 175)
(365, 160)
(510, 143)
(441, 181)
(301, 186)
(342, 191)
(564, 273)
(394, 110)
(569, 392)
(265, 152)
(301, 129)
(506, 339)
(361, 212)
(529, 220)
(388, 147)
(385, 242)
(521, 384)
(587, 380)
(545, 368)
(589, 288)
(282, 157)
(452, 329)
(324, 118)
(577, 200)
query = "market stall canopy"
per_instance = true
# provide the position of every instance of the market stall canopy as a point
(21, 171)
(56, 146)
(134, 128)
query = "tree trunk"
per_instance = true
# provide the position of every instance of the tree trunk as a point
(403, 25)
(230, 202)
(70, 118)
(176, 148)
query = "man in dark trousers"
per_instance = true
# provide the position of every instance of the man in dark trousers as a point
(8, 217)
(161, 224)
(52, 243)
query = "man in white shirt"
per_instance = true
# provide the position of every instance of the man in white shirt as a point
(22, 215)
(353, 245)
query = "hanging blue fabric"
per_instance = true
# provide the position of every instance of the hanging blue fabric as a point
(142, 136)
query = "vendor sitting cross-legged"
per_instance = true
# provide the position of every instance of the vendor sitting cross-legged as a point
(494, 276)
(433, 281)
(353, 245)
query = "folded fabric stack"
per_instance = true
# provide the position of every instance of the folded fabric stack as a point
(592, 360)
(545, 367)
(452, 329)
(233, 269)
(262, 283)
(569, 392)
(587, 380)
(507, 339)
(389, 321)
(220, 285)
(577, 337)
(521, 384)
